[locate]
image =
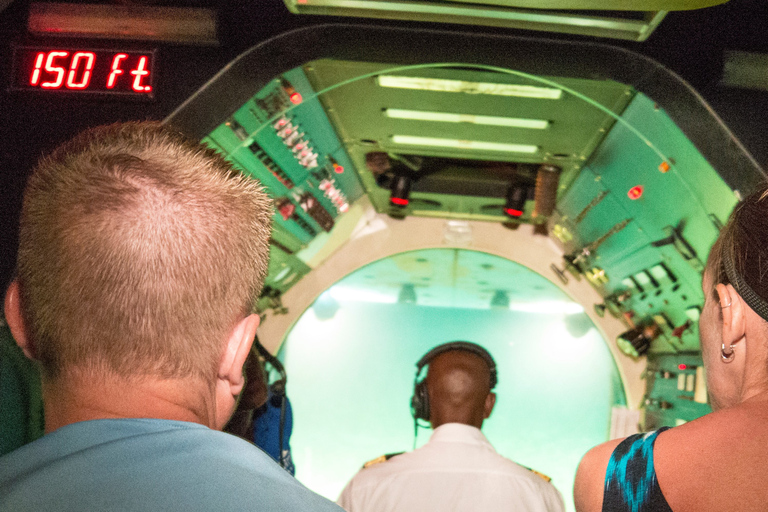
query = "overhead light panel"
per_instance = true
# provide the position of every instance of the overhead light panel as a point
(442, 117)
(443, 85)
(628, 19)
(180, 25)
(353, 293)
(464, 144)
(547, 306)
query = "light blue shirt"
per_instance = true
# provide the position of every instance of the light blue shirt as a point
(147, 464)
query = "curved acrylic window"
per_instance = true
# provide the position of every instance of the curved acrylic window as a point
(351, 364)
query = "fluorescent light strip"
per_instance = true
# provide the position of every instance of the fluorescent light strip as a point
(548, 306)
(511, 122)
(442, 85)
(351, 293)
(463, 144)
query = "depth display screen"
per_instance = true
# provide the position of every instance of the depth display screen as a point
(72, 70)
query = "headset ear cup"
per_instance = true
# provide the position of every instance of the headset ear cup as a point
(420, 401)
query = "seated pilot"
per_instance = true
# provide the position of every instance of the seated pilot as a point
(457, 469)
(141, 254)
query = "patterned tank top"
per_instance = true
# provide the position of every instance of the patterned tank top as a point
(630, 480)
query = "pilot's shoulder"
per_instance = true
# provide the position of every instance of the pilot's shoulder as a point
(539, 474)
(380, 459)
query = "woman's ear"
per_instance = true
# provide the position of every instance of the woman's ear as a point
(733, 309)
(14, 315)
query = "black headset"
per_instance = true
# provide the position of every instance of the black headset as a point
(277, 389)
(420, 399)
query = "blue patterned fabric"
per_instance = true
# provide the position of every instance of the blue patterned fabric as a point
(630, 480)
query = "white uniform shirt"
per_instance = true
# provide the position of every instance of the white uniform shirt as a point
(457, 470)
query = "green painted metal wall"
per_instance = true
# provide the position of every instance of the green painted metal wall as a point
(690, 197)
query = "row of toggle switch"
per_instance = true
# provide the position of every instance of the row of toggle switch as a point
(296, 141)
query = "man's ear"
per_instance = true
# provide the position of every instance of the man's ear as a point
(490, 401)
(236, 352)
(15, 318)
(734, 313)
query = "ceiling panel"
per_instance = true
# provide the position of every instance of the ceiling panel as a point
(357, 105)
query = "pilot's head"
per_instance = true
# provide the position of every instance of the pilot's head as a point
(459, 384)
(140, 253)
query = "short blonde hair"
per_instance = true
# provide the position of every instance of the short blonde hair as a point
(139, 250)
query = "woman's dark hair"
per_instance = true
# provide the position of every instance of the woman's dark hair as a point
(744, 240)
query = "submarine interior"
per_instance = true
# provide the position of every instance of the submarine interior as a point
(553, 199)
(558, 210)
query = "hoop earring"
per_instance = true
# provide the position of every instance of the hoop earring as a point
(727, 305)
(727, 356)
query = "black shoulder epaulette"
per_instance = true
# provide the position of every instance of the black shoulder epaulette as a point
(382, 458)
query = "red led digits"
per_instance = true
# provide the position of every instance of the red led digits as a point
(139, 73)
(115, 70)
(89, 58)
(92, 71)
(57, 70)
(35, 78)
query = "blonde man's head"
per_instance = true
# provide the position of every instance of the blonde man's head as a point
(139, 250)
